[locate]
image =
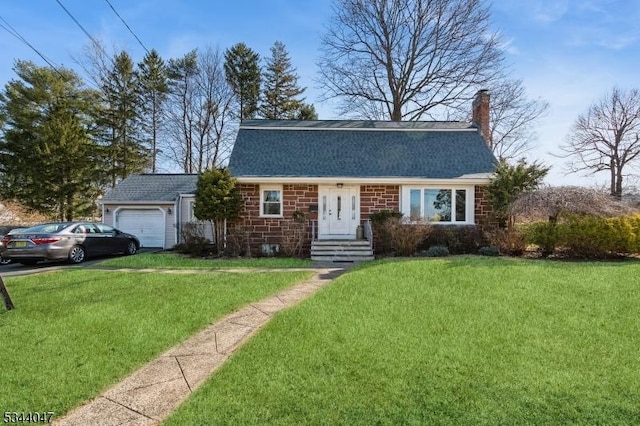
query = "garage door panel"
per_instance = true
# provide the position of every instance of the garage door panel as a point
(146, 224)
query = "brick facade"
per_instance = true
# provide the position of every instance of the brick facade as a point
(373, 198)
(268, 230)
(483, 217)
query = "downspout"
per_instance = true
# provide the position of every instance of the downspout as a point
(177, 216)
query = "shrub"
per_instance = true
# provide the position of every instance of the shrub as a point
(293, 237)
(381, 216)
(587, 236)
(238, 239)
(436, 251)
(405, 237)
(194, 242)
(459, 239)
(381, 229)
(544, 235)
(512, 242)
(489, 251)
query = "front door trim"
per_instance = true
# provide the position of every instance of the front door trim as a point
(330, 227)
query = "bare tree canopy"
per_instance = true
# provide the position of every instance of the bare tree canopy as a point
(607, 137)
(398, 59)
(200, 111)
(552, 202)
(513, 116)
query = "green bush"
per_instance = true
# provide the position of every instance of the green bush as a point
(544, 235)
(587, 236)
(459, 239)
(436, 251)
(489, 251)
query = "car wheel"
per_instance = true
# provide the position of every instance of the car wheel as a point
(4, 261)
(77, 254)
(132, 248)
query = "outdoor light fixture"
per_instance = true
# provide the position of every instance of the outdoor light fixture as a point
(339, 185)
(169, 210)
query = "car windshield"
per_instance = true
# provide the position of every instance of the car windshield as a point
(47, 228)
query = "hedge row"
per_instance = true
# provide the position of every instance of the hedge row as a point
(587, 236)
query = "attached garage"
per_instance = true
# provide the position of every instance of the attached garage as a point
(146, 224)
(153, 207)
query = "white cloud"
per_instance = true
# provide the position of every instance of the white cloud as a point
(547, 11)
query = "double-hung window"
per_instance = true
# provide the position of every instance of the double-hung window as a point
(438, 205)
(271, 201)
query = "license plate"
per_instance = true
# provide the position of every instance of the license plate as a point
(19, 244)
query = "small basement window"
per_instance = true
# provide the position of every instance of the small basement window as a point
(270, 249)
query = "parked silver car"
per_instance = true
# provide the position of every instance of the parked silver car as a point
(72, 241)
(6, 230)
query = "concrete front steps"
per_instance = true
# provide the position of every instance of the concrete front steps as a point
(341, 251)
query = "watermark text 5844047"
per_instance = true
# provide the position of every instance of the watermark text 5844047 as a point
(28, 417)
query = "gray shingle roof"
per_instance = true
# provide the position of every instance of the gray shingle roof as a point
(152, 187)
(438, 150)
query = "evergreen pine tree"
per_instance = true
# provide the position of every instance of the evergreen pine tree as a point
(153, 94)
(121, 120)
(280, 89)
(48, 158)
(242, 72)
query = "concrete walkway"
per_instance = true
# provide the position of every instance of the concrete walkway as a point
(153, 392)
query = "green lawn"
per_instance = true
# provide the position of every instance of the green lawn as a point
(465, 340)
(177, 261)
(75, 332)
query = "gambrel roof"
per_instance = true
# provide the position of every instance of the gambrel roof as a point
(352, 148)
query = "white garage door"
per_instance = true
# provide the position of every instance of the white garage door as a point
(146, 224)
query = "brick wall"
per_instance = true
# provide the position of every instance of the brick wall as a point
(374, 198)
(483, 216)
(269, 230)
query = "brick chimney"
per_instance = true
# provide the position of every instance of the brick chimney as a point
(480, 114)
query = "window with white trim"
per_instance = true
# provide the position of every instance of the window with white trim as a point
(271, 201)
(438, 205)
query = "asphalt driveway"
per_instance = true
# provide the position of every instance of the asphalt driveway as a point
(16, 269)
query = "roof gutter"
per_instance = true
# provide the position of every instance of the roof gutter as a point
(474, 179)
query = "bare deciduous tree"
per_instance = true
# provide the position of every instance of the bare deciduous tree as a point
(180, 121)
(607, 137)
(513, 117)
(398, 59)
(218, 111)
(200, 111)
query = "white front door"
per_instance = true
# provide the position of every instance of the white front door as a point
(338, 215)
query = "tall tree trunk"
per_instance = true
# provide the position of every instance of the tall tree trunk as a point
(619, 179)
(612, 169)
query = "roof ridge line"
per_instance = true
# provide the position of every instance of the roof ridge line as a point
(366, 129)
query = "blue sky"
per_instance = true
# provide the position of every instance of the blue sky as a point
(568, 52)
